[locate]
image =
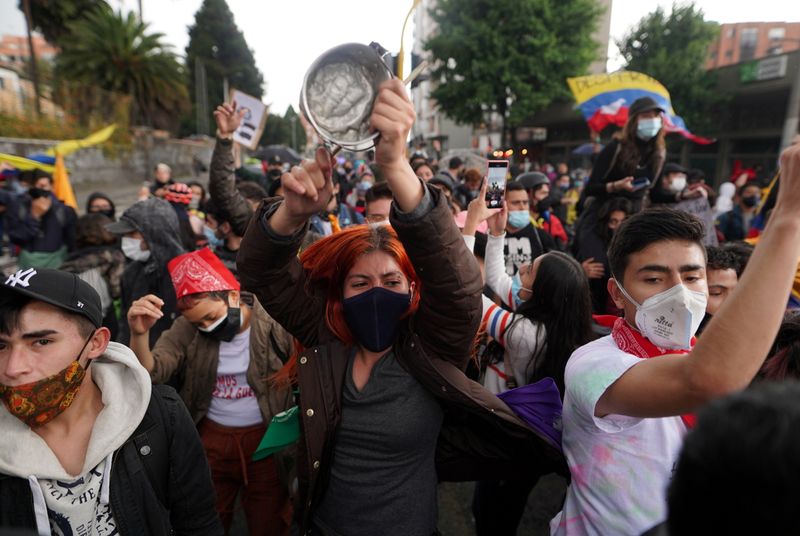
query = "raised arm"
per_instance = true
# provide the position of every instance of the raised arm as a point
(736, 341)
(222, 177)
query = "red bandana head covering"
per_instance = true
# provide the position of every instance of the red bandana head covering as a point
(200, 271)
(178, 193)
(631, 341)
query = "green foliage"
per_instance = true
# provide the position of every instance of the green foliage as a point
(114, 53)
(508, 56)
(672, 48)
(51, 17)
(215, 40)
(278, 130)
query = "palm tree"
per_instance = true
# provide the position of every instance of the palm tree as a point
(114, 52)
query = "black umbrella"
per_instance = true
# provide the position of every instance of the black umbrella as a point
(286, 154)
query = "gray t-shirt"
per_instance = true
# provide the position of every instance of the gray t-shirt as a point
(383, 475)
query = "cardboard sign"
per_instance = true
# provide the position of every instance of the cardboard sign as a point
(700, 208)
(255, 116)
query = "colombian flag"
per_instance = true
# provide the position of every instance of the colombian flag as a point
(604, 100)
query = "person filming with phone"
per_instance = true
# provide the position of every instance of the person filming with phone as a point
(632, 161)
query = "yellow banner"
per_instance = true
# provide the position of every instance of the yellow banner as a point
(70, 146)
(62, 188)
(25, 164)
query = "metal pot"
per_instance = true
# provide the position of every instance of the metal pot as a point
(338, 93)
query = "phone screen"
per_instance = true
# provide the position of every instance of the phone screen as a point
(496, 183)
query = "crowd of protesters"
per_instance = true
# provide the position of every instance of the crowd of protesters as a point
(407, 334)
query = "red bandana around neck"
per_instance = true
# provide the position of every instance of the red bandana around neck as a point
(631, 341)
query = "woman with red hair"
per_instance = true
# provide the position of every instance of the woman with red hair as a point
(385, 319)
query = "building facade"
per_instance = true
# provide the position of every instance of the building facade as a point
(748, 41)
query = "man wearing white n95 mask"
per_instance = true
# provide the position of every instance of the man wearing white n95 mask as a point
(630, 396)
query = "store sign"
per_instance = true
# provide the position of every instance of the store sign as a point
(766, 69)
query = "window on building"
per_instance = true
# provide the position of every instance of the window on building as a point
(776, 34)
(2, 84)
(747, 44)
(729, 54)
(774, 51)
(731, 33)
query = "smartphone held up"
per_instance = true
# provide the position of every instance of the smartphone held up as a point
(496, 180)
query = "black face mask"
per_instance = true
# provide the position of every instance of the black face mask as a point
(109, 213)
(227, 329)
(750, 201)
(373, 316)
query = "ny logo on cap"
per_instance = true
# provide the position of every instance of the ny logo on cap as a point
(22, 278)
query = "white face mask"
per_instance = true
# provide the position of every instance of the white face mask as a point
(213, 326)
(132, 248)
(670, 318)
(678, 184)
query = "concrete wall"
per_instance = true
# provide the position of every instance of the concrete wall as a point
(129, 165)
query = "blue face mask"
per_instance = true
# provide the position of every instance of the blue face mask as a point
(646, 129)
(516, 286)
(211, 236)
(374, 316)
(518, 218)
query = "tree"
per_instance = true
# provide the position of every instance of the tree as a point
(52, 17)
(508, 57)
(672, 48)
(287, 130)
(217, 46)
(115, 53)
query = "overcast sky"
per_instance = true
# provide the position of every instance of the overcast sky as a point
(286, 36)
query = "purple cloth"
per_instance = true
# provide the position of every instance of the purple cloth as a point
(539, 405)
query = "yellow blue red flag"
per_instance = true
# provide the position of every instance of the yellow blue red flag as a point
(603, 99)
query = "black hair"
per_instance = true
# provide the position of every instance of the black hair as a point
(513, 186)
(561, 301)
(420, 164)
(90, 230)
(12, 304)
(783, 359)
(742, 251)
(479, 249)
(648, 227)
(202, 189)
(611, 205)
(455, 162)
(745, 186)
(737, 472)
(251, 191)
(718, 258)
(379, 191)
(215, 211)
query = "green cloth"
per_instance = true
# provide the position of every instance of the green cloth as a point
(42, 259)
(283, 431)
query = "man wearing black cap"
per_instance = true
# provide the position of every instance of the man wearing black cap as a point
(88, 446)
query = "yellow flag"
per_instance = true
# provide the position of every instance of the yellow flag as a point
(25, 164)
(62, 189)
(70, 146)
(401, 55)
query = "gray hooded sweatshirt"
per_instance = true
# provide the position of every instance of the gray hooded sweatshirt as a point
(68, 502)
(158, 223)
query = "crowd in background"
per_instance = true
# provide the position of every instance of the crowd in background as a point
(545, 265)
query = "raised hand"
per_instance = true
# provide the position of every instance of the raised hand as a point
(144, 313)
(477, 211)
(228, 118)
(307, 190)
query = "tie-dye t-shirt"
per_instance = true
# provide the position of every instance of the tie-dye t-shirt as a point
(620, 465)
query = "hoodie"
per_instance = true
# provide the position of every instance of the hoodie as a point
(61, 499)
(156, 220)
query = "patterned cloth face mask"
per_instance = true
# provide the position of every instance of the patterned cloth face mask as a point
(37, 403)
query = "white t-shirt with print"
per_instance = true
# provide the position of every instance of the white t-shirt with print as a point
(621, 466)
(233, 401)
